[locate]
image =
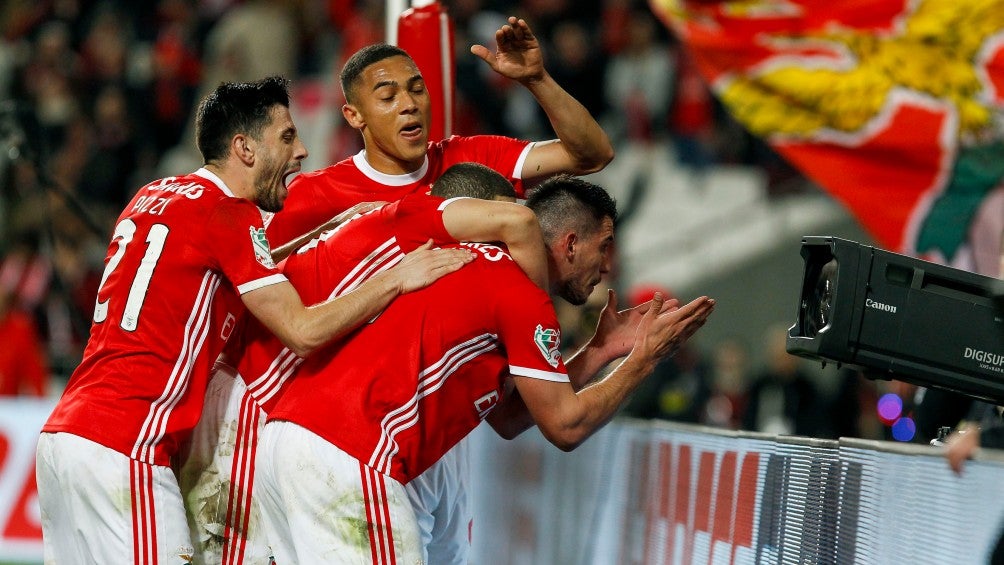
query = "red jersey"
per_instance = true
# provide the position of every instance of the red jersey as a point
(183, 251)
(407, 387)
(318, 196)
(333, 264)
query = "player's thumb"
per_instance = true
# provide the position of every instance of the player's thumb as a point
(657, 301)
(482, 52)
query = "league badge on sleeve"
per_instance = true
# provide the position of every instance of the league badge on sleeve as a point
(548, 342)
(262, 251)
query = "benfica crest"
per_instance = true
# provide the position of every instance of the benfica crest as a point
(548, 341)
(262, 252)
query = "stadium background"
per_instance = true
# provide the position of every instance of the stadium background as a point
(709, 105)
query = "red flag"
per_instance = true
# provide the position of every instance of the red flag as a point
(893, 107)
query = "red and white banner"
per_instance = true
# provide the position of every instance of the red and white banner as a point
(20, 525)
(659, 493)
(667, 494)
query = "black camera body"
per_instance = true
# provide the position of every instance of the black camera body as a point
(898, 317)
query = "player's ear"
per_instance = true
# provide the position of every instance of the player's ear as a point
(569, 244)
(353, 116)
(243, 147)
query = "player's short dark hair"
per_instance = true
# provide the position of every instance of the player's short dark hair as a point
(233, 108)
(473, 180)
(363, 58)
(566, 202)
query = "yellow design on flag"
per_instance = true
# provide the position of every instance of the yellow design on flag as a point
(894, 107)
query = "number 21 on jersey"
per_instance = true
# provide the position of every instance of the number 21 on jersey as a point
(125, 231)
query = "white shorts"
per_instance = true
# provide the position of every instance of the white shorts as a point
(321, 505)
(100, 506)
(216, 475)
(442, 507)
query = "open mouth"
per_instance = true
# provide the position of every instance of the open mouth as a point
(412, 131)
(286, 178)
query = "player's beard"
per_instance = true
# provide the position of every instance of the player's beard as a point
(571, 294)
(269, 188)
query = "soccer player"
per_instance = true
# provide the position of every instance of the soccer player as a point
(187, 256)
(366, 418)
(387, 102)
(217, 473)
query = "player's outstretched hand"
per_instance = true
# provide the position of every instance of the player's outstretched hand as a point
(518, 56)
(664, 328)
(615, 330)
(425, 265)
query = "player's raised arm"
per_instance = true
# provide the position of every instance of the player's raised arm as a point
(582, 146)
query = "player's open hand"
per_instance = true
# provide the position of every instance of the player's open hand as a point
(663, 328)
(425, 265)
(616, 330)
(518, 55)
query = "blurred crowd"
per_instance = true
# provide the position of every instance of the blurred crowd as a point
(97, 97)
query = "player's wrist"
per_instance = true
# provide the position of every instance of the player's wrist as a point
(640, 363)
(604, 349)
(536, 80)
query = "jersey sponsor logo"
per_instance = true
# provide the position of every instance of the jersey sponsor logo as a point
(485, 404)
(548, 342)
(262, 251)
(228, 326)
(190, 190)
(488, 251)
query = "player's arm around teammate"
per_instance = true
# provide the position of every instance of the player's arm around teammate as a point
(281, 252)
(470, 219)
(305, 328)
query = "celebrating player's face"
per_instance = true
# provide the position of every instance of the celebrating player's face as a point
(591, 262)
(391, 108)
(279, 154)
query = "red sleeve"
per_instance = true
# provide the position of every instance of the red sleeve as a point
(502, 154)
(419, 218)
(239, 246)
(528, 326)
